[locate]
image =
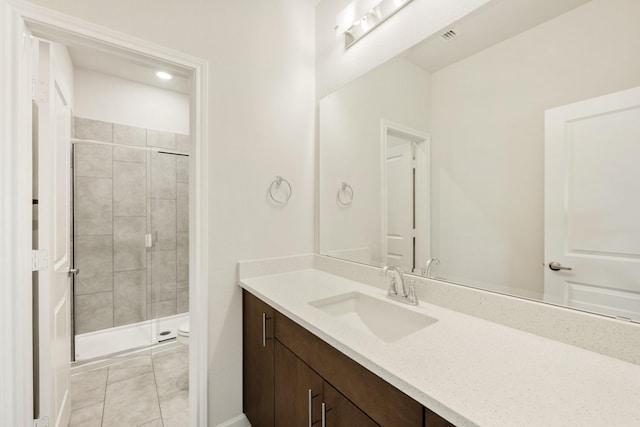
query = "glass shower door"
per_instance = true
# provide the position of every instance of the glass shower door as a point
(111, 310)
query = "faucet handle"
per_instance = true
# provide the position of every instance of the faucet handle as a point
(412, 297)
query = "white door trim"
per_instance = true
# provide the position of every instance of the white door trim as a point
(423, 186)
(16, 390)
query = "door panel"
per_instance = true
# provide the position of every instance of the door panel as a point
(592, 180)
(54, 189)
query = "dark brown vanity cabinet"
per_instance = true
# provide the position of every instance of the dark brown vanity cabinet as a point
(258, 361)
(293, 378)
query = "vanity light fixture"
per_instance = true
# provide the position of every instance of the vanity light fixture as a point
(362, 16)
(164, 75)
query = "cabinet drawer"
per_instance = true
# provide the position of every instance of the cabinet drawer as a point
(381, 401)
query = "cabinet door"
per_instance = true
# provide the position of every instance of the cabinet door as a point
(431, 419)
(298, 391)
(340, 412)
(258, 361)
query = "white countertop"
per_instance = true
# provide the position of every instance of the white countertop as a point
(468, 370)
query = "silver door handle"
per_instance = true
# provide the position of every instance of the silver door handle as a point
(74, 271)
(556, 266)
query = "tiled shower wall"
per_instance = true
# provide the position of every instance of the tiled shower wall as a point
(121, 194)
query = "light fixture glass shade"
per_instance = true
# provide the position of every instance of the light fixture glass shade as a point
(362, 16)
(164, 75)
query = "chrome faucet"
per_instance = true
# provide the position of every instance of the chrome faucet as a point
(397, 290)
(426, 270)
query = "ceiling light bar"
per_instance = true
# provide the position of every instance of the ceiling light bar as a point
(362, 16)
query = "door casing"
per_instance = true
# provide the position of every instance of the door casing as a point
(19, 19)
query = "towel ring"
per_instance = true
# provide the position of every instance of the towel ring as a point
(278, 182)
(348, 191)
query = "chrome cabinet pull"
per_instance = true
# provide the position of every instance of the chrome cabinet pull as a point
(310, 409)
(556, 266)
(264, 329)
(324, 415)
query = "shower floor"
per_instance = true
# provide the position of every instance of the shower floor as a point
(150, 390)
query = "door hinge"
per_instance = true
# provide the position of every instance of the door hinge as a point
(40, 258)
(39, 91)
(41, 422)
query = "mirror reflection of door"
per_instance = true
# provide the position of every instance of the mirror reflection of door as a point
(406, 242)
(400, 203)
(592, 228)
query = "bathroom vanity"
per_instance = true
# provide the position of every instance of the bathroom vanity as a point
(320, 349)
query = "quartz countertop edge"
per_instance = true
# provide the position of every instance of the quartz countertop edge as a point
(470, 371)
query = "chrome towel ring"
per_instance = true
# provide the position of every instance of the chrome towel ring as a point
(277, 183)
(346, 190)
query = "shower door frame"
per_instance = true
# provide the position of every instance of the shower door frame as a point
(19, 20)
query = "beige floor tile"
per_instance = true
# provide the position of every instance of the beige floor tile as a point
(172, 373)
(131, 402)
(175, 409)
(129, 368)
(88, 388)
(89, 416)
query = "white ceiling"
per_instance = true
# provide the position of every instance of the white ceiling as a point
(491, 24)
(141, 70)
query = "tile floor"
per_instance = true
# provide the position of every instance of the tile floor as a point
(150, 390)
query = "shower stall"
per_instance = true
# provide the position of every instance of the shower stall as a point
(130, 237)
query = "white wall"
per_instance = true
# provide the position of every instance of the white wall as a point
(417, 21)
(261, 98)
(488, 136)
(112, 99)
(351, 150)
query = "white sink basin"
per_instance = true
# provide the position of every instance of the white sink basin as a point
(377, 318)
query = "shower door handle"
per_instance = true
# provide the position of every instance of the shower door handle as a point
(74, 271)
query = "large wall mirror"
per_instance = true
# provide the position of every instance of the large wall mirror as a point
(504, 155)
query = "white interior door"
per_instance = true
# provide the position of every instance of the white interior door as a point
(592, 204)
(400, 203)
(54, 236)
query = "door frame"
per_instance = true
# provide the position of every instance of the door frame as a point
(18, 17)
(422, 140)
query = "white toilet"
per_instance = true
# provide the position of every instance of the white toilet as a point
(183, 333)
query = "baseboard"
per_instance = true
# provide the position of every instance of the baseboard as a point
(239, 421)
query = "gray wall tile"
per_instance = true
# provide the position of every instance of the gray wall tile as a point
(183, 284)
(94, 312)
(182, 207)
(93, 160)
(183, 301)
(182, 257)
(96, 130)
(156, 138)
(129, 250)
(94, 258)
(163, 224)
(129, 135)
(129, 189)
(163, 176)
(182, 169)
(183, 143)
(163, 267)
(129, 297)
(163, 292)
(94, 207)
(162, 309)
(124, 154)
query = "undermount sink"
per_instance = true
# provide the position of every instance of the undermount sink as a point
(384, 320)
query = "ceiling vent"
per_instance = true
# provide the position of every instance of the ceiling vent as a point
(448, 36)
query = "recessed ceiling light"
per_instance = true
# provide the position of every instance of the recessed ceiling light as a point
(164, 75)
